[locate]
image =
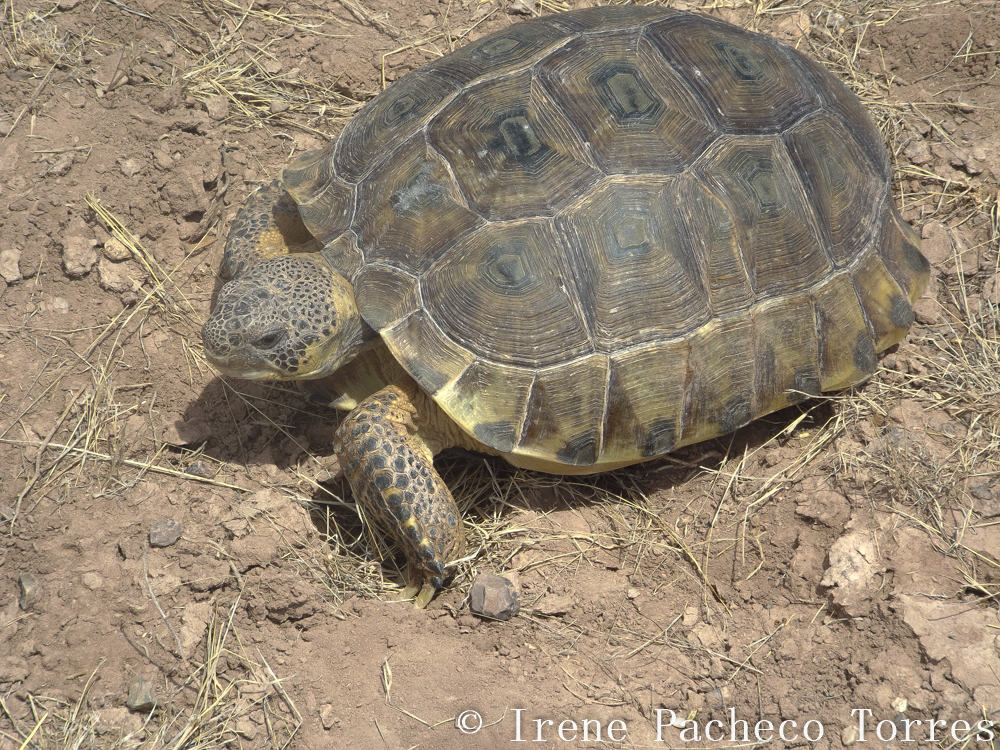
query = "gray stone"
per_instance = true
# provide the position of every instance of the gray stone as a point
(31, 591)
(494, 597)
(165, 533)
(141, 696)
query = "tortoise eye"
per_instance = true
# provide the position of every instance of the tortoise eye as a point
(268, 339)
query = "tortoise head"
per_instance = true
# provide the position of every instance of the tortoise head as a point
(290, 317)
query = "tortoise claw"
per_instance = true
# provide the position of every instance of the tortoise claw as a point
(418, 590)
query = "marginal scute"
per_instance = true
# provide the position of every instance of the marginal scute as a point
(660, 438)
(566, 411)
(426, 352)
(900, 251)
(840, 321)
(463, 400)
(385, 295)
(865, 357)
(786, 351)
(645, 392)
(900, 312)
(501, 436)
(581, 450)
(721, 381)
(879, 292)
(344, 255)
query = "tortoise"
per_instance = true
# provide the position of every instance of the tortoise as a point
(579, 243)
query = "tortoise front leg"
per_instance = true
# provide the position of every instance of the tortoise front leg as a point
(386, 450)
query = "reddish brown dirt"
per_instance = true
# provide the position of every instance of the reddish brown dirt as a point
(861, 580)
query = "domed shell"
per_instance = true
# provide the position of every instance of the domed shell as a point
(597, 236)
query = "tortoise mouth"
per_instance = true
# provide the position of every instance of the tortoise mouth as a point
(245, 371)
(235, 366)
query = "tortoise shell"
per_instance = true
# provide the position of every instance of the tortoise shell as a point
(600, 235)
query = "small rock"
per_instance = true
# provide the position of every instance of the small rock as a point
(118, 277)
(991, 290)
(60, 305)
(31, 591)
(951, 630)
(820, 500)
(201, 469)
(981, 491)
(719, 698)
(851, 573)
(899, 705)
(110, 73)
(186, 432)
(92, 581)
(130, 167)
(79, 255)
(936, 244)
(327, 717)
(927, 311)
(989, 508)
(141, 696)
(523, 7)
(14, 669)
(165, 533)
(115, 250)
(633, 593)
(918, 151)
(62, 165)
(76, 98)
(494, 597)
(553, 606)
(9, 269)
(168, 98)
(690, 618)
(277, 107)
(849, 735)
(217, 107)
(193, 623)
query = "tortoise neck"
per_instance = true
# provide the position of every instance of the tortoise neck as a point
(369, 372)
